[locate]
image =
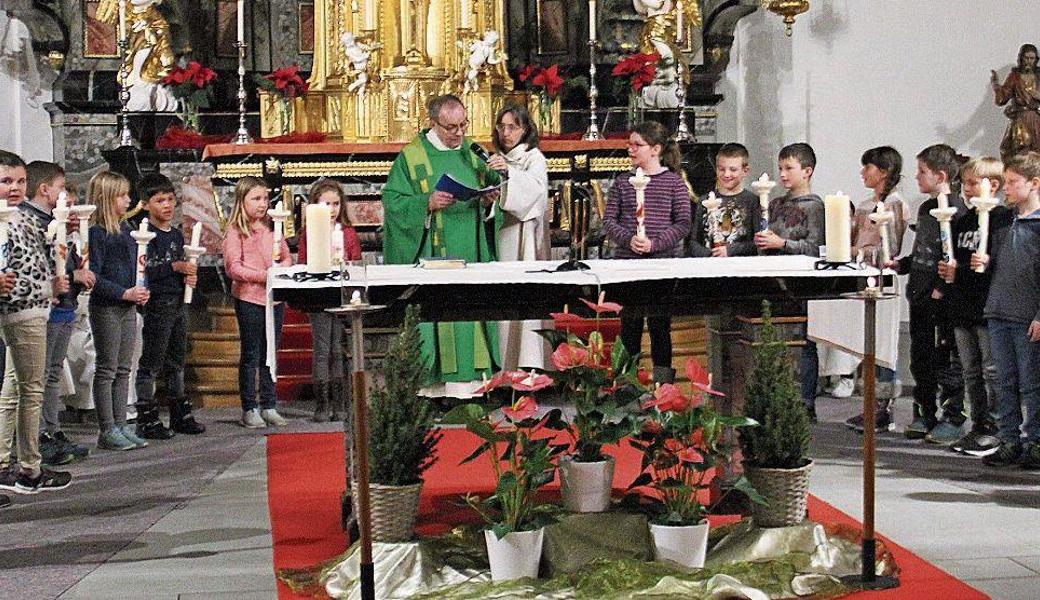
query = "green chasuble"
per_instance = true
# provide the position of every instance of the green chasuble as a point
(459, 351)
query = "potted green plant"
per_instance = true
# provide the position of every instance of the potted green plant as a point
(681, 446)
(402, 438)
(776, 455)
(521, 447)
(605, 390)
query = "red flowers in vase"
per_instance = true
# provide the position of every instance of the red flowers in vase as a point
(543, 80)
(285, 83)
(641, 69)
(191, 85)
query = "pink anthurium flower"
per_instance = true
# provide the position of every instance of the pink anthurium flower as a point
(524, 408)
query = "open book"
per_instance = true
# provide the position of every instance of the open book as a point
(459, 190)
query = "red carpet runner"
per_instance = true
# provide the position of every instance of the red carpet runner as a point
(306, 478)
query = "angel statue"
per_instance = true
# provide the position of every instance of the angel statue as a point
(666, 21)
(1020, 93)
(359, 54)
(482, 52)
(149, 57)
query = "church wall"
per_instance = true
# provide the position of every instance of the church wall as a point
(25, 127)
(863, 73)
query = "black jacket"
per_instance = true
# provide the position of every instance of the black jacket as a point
(966, 297)
(923, 262)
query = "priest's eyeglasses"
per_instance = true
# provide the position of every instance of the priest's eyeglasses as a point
(453, 129)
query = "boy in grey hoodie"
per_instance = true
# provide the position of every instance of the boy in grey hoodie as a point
(1013, 316)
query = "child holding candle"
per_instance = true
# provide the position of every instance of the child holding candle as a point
(113, 318)
(667, 222)
(931, 336)
(796, 227)
(730, 229)
(326, 331)
(1012, 315)
(165, 333)
(881, 172)
(248, 243)
(30, 283)
(47, 185)
(966, 299)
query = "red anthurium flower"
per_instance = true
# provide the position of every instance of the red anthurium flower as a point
(565, 318)
(531, 382)
(525, 408)
(668, 398)
(567, 356)
(550, 80)
(700, 378)
(500, 379)
(603, 307)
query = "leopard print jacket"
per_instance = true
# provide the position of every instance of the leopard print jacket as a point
(29, 257)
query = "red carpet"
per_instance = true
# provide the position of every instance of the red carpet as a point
(306, 478)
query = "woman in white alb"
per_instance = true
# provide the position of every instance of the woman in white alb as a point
(525, 229)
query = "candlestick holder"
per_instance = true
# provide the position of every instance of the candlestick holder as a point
(242, 136)
(682, 132)
(593, 131)
(126, 138)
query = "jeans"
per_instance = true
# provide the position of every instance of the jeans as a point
(114, 328)
(809, 364)
(1018, 380)
(980, 375)
(327, 354)
(21, 400)
(166, 333)
(932, 364)
(251, 332)
(660, 328)
(58, 335)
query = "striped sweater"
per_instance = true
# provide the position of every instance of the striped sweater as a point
(667, 215)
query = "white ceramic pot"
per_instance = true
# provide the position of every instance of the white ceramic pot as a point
(516, 555)
(585, 486)
(683, 544)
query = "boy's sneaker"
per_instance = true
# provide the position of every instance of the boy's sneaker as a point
(113, 439)
(46, 481)
(1030, 458)
(846, 386)
(1006, 455)
(77, 450)
(52, 453)
(154, 430)
(944, 433)
(271, 417)
(251, 419)
(976, 443)
(131, 436)
(8, 477)
(918, 429)
(882, 422)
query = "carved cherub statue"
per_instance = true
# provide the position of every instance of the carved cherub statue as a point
(665, 22)
(359, 54)
(149, 56)
(482, 52)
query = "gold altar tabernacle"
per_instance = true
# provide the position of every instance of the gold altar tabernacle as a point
(377, 62)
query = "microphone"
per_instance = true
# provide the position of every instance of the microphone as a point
(482, 154)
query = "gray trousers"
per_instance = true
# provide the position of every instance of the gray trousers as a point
(58, 335)
(114, 329)
(327, 354)
(980, 375)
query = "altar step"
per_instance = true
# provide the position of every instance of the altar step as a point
(213, 357)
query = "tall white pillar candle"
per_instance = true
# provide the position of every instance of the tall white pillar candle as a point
(122, 20)
(838, 228)
(142, 236)
(337, 246)
(592, 20)
(319, 238)
(192, 252)
(242, 21)
(370, 16)
(466, 14)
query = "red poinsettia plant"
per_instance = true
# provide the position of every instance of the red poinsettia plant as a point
(604, 387)
(681, 444)
(520, 445)
(639, 69)
(192, 85)
(286, 83)
(542, 80)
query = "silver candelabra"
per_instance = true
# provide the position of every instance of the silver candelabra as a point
(593, 131)
(242, 137)
(126, 138)
(682, 132)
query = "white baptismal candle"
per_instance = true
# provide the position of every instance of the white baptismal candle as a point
(838, 223)
(319, 238)
(196, 233)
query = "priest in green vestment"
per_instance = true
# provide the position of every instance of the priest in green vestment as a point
(422, 222)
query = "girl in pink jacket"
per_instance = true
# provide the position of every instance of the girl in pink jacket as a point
(248, 254)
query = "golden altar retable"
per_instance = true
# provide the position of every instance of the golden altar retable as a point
(378, 62)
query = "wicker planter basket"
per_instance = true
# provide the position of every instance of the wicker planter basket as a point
(394, 510)
(785, 490)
